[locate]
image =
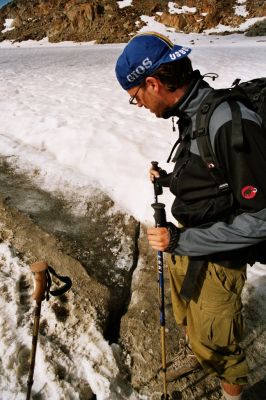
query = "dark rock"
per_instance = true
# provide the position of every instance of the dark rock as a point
(258, 29)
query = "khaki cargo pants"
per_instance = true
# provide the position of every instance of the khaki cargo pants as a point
(213, 318)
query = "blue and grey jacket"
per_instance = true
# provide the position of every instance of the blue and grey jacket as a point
(215, 224)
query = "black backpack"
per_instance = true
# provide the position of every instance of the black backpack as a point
(253, 95)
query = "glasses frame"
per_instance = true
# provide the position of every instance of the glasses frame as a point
(132, 100)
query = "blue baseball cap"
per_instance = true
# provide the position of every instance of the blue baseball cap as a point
(143, 54)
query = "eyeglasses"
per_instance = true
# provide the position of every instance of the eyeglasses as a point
(133, 100)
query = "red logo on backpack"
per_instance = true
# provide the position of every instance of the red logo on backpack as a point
(249, 192)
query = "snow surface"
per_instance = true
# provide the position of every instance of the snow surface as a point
(89, 360)
(241, 28)
(173, 9)
(8, 25)
(124, 3)
(64, 115)
(240, 8)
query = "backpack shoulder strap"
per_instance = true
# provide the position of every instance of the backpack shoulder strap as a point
(204, 114)
(237, 129)
(206, 109)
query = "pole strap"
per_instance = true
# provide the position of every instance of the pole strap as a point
(57, 292)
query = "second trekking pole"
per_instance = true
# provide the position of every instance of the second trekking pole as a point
(39, 269)
(160, 221)
(42, 291)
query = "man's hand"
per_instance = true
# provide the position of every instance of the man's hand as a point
(159, 238)
(153, 174)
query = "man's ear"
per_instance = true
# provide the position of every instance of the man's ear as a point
(153, 83)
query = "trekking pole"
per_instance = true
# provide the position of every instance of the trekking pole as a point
(160, 221)
(42, 291)
(39, 269)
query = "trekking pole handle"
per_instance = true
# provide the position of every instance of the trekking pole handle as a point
(155, 165)
(157, 187)
(39, 269)
(159, 214)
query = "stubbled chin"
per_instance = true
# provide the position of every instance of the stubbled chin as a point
(154, 112)
(158, 114)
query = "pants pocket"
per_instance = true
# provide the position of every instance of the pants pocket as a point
(222, 285)
(222, 332)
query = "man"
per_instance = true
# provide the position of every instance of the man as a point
(217, 227)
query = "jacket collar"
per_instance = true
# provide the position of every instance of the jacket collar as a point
(185, 106)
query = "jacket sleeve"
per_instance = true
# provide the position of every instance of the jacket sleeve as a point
(245, 172)
(245, 230)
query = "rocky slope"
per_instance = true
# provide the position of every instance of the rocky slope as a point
(106, 21)
(37, 226)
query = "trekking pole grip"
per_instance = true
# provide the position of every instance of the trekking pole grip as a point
(159, 214)
(39, 269)
(155, 165)
(157, 187)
